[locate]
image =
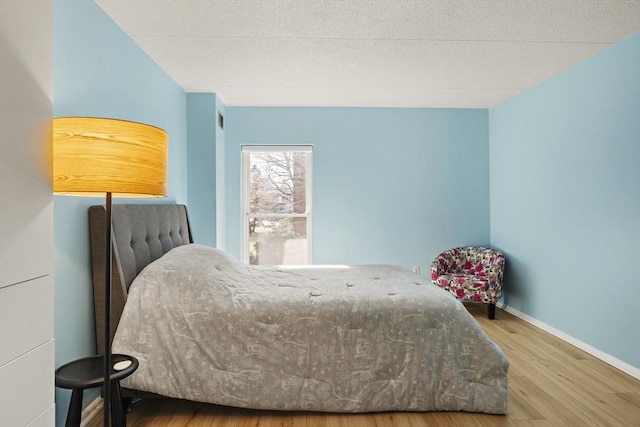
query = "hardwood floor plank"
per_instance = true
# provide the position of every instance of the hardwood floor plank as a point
(532, 423)
(520, 408)
(551, 383)
(288, 420)
(318, 420)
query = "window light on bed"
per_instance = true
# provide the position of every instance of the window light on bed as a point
(112, 158)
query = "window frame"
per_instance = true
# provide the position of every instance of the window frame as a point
(245, 213)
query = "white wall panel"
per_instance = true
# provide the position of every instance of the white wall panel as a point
(26, 214)
(26, 317)
(27, 386)
(26, 106)
(46, 419)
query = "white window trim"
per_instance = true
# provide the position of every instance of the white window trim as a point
(244, 182)
(272, 148)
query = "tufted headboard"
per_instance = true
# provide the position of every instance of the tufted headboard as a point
(141, 233)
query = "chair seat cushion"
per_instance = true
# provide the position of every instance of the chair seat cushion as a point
(467, 287)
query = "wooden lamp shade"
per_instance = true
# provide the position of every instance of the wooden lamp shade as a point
(93, 156)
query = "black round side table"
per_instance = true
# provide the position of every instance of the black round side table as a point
(88, 373)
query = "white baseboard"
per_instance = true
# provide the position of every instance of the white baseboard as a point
(90, 412)
(605, 357)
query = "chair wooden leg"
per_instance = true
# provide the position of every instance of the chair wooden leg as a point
(492, 311)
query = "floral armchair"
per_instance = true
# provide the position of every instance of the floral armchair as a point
(471, 274)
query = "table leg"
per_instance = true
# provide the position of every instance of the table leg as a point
(75, 409)
(118, 417)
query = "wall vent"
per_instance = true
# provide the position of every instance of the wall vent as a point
(220, 121)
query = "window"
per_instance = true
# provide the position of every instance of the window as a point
(276, 204)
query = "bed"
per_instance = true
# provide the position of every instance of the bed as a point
(207, 328)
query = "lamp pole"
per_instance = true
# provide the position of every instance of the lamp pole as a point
(107, 318)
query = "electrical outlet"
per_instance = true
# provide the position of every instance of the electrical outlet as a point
(416, 269)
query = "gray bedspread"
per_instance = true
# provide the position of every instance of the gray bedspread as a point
(344, 339)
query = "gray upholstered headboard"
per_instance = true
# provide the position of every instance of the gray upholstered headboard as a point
(141, 234)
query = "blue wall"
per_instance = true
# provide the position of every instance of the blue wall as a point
(221, 202)
(392, 186)
(201, 133)
(100, 71)
(565, 200)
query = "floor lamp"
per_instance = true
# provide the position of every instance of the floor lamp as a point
(117, 158)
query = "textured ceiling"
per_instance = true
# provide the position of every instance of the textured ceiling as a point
(383, 53)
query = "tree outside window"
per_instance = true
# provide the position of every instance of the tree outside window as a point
(278, 220)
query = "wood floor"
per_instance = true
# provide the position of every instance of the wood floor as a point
(551, 383)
